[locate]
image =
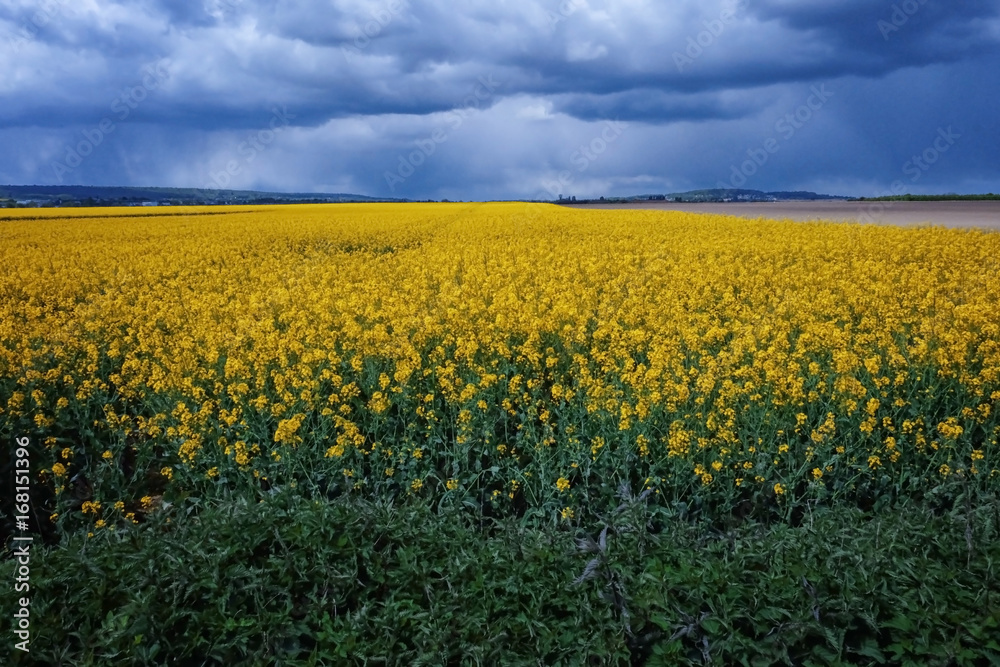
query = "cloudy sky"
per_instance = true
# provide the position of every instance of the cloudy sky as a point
(489, 99)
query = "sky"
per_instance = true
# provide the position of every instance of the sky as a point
(502, 99)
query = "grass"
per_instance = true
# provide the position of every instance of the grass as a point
(352, 580)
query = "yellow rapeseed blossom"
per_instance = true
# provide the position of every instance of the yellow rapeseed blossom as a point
(523, 337)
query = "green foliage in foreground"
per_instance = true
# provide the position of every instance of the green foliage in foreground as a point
(299, 581)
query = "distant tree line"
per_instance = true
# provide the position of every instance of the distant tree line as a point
(986, 197)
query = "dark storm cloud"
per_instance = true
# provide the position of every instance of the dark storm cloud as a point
(655, 106)
(368, 82)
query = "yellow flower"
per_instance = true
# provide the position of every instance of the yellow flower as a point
(416, 485)
(107, 455)
(167, 472)
(439, 323)
(451, 484)
(288, 429)
(568, 513)
(779, 490)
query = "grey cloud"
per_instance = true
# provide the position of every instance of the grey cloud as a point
(365, 79)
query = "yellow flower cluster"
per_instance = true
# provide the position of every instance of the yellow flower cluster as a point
(402, 341)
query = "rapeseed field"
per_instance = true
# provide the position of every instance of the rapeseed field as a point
(498, 434)
(522, 358)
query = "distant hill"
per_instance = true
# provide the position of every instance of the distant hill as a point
(720, 195)
(86, 195)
